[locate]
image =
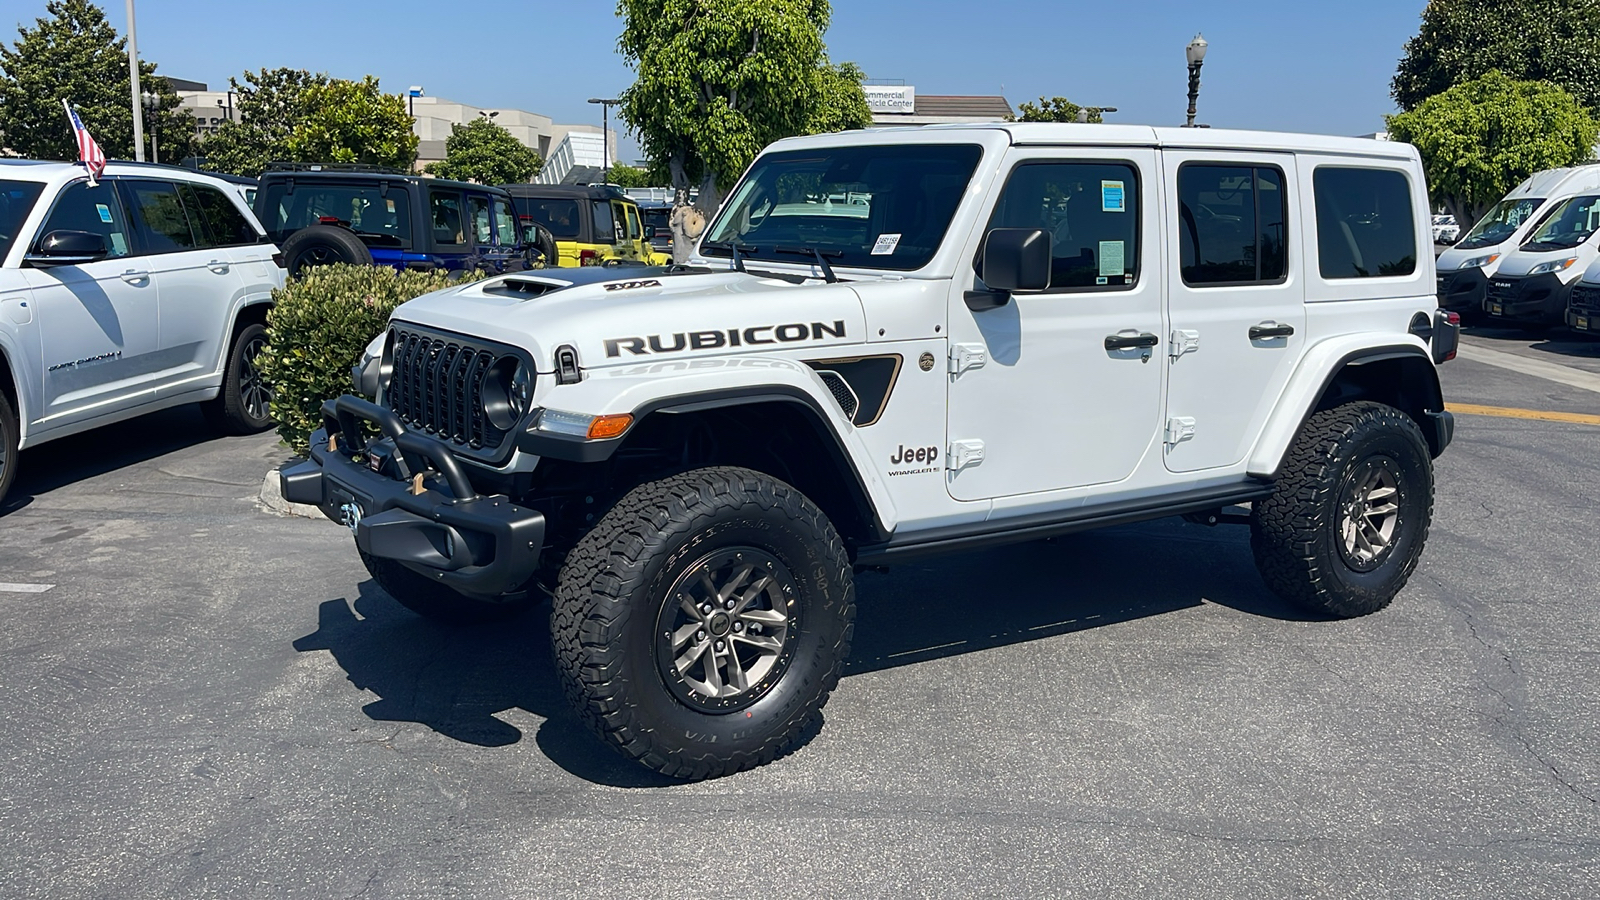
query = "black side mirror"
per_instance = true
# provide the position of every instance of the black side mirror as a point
(649, 232)
(1014, 259)
(68, 248)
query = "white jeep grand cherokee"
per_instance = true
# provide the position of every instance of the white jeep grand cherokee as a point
(147, 290)
(896, 343)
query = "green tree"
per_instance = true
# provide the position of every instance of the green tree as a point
(484, 152)
(719, 81)
(1054, 109)
(1537, 40)
(631, 176)
(74, 54)
(1481, 138)
(354, 122)
(270, 104)
(841, 103)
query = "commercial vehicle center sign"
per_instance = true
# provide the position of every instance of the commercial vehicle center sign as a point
(891, 98)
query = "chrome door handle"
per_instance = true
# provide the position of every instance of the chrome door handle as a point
(219, 266)
(1131, 341)
(1269, 330)
(133, 276)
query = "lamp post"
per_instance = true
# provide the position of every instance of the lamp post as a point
(605, 136)
(1084, 112)
(152, 103)
(133, 79)
(1196, 52)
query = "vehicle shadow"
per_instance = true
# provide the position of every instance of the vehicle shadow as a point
(59, 463)
(457, 680)
(1557, 341)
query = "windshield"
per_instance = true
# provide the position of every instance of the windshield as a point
(16, 201)
(1500, 223)
(379, 213)
(882, 207)
(1568, 225)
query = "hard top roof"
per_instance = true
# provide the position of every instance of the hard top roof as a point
(590, 191)
(314, 176)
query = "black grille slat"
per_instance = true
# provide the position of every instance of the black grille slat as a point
(1585, 297)
(436, 386)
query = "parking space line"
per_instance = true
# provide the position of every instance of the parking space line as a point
(1510, 412)
(1538, 368)
(6, 588)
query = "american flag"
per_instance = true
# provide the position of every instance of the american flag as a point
(89, 152)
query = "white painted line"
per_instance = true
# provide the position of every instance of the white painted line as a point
(1538, 368)
(24, 588)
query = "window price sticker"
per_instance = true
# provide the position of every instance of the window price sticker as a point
(886, 244)
(1112, 197)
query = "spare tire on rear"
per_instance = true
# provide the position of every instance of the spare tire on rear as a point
(322, 245)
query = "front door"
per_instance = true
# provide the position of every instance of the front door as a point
(1236, 300)
(1061, 388)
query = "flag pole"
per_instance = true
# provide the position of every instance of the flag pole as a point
(71, 123)
(133, 78)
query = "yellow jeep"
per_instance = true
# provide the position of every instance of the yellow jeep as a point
(591, 223)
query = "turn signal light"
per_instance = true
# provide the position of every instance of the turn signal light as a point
(609, 426)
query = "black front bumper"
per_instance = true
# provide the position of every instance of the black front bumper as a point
(1527, 298)
(1463, 290)
(406, 498)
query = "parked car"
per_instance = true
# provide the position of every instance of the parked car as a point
(147, 290)
(1445, 229)
(364, 215)
(591, 224)
(1532, 284)
(895, 344)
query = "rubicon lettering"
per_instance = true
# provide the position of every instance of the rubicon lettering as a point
(788, 333)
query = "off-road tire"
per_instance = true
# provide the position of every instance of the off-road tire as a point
(432, 600)
(231, 411)
(612, 593)
(321, 245)
(9, 436)
(1296, 534)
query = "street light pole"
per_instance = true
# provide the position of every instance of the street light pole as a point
(605, 136)
(151, 101)
(1196, 53)
(133, 76)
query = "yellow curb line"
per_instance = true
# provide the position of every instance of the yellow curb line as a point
(1507, 412)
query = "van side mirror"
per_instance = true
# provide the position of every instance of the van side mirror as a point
(1014, 260)
(68, 248)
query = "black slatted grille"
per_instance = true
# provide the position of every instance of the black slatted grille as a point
(436, 386)
(1585, 297)
(1503, 292)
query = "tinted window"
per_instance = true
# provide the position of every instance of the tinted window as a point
(1090, 211)
(1365, 224)
(634, 231)
(445, 210)
(1568, 225)
(505, 223)
(1500, 222)
(227, 225)
(382, 219)
(16, 201)
(158, 214)
(605, 229)
(1231, 224)
(96, 210)
(558, 215)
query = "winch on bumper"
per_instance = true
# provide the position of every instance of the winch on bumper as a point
(406, 497)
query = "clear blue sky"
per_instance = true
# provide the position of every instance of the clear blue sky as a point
(1292, 65)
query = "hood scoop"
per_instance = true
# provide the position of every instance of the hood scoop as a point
(520, 288)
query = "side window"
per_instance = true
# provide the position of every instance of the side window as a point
(92, 209)
(1231, 224)
(634, 231)
(480, 219)
(445, 209)
(605, 228)
(1365, 224)
(505, 223)
(1091, 211)
(160, 218)
(228, 226)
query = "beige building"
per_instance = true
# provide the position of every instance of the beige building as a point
(435, 115)
(899, 104)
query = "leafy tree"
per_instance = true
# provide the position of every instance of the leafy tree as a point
(632, 176)
(1538, 40)
(270, 104)
(719, 81)
(484, 152)
(354, 122)
(1481, 138)
(1054, 109)
(842, 104)
(74, 54)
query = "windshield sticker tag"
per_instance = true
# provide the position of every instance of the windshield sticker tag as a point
(391, 205)
(119, 244)
(105, 212)
(1112, 198)
(1111, 259)
(886, 244)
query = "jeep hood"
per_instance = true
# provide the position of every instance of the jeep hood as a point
(622, 316)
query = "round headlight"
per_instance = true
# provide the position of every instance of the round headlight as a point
(507, 393)
(521, 390)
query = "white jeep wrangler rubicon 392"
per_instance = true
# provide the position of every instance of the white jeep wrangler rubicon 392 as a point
(894, 343)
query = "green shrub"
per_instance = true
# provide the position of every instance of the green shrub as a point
(316, 331)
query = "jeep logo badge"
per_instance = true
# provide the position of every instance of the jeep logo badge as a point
(925, 361)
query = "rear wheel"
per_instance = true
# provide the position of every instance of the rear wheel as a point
(432, 600)
(244, 403)
(9, 436)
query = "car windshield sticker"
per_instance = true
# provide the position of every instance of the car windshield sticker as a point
(391, 205)
(119, 244)
(1111, 197)
(886, 244)
(105, 212)
(1111, 261)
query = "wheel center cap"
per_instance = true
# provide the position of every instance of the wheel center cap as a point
(720, 624)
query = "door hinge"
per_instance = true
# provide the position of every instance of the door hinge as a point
(1180, 429)
(964, 453)
(1183, 342)
(967, 356)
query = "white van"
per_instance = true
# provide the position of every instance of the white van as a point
(1465, 269)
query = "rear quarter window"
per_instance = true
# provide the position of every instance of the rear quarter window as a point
(1366, 227)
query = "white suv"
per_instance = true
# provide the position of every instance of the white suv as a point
(892, 344)
(147, 290)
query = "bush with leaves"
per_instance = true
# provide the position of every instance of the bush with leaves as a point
(317, 330)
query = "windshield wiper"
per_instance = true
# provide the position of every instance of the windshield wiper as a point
(733, 248)
(818, 255)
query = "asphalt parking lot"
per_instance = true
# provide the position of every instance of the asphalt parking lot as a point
(211, 701)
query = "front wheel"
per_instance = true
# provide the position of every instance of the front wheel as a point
(244, 403)
(8, 446)
(1344, 529)
(700, 626)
